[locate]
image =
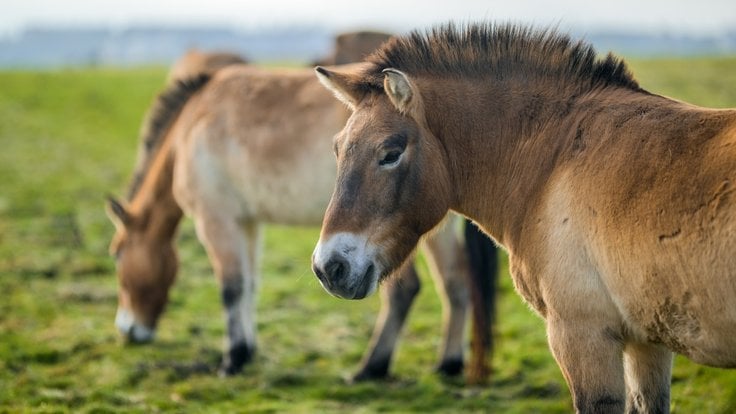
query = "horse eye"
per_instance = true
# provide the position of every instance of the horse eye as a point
(390, 158)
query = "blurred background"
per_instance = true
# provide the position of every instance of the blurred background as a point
(46, 33)
(76, 80)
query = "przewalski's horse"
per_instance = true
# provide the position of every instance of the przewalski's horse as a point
(193, 64)
(349, 47)
(226, 155)
(353, 47)
(616, 205)
(196, 62)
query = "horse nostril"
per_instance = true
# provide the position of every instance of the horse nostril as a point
(320, 274)
(369, 271)
(337, 268)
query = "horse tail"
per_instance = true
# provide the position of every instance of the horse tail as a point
(159, 119)
(483, 260)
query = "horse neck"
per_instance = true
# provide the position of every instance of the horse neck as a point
(503, 142)
(155, 198)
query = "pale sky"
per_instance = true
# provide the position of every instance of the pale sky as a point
(675, 16)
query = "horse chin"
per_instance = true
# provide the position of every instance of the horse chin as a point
(131, 330)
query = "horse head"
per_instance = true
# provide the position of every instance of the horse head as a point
(392, 182)
(146, 268)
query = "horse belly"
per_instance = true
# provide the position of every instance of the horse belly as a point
(693, 319)
(676, 291)
(682, 285)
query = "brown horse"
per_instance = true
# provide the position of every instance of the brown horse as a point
(616, 205)
(353, 47)
(193, 64)
(196, 62)
(225, 154)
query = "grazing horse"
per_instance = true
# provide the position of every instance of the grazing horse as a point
(616, 205)
(353, 47)
(196, 62)
(192, 64)
(224, 153)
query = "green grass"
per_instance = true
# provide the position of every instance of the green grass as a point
(69, 137)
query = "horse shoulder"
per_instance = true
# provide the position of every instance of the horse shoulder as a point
(557, 268)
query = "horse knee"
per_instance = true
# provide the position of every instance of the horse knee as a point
(231, 291)
(238, 300)
(637, 403)
(601, 403)
(590, 359)
(235, 289)
(648, 370)
(240, 347)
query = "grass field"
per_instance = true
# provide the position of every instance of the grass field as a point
(69, 137)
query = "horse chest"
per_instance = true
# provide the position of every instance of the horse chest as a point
(527, 285)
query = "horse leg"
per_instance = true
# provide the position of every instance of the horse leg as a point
(482, 284)
(648, 371)
(591, 359)
(397, 295)
(449, 268)
(233, 251)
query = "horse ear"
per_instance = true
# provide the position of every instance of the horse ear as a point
(400, 89)
(117, 212)
(342, 85)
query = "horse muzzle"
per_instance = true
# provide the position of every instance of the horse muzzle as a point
(133, 331)
(345, 266)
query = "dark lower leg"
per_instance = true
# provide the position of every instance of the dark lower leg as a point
(237, 297)
(396, 299)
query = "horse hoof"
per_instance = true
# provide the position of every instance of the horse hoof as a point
(373, 372)
(450, 367)
(227, 370)
(238, 356)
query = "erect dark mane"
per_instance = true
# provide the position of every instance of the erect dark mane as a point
(483, 49)
(158, 120)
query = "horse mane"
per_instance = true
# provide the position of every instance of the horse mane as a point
(483, 49)
(166, 107)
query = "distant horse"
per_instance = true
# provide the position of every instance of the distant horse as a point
(616, 205)
(353, 47)
(192, 64)
(196, 62)
(251, 146)
(349, 47)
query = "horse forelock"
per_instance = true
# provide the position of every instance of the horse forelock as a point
(166, 107)
(488, 49)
